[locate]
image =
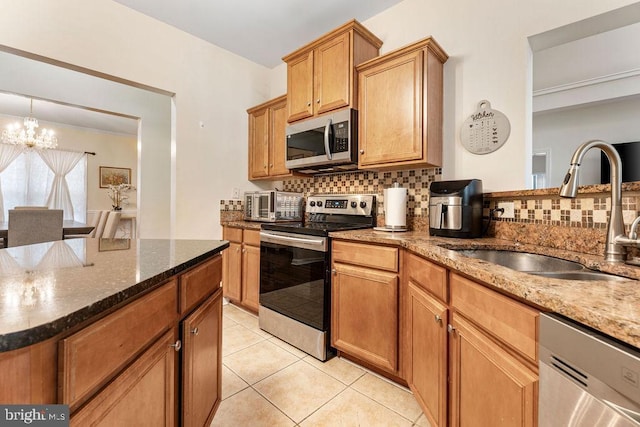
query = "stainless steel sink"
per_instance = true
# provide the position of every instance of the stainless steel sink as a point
(580, 275)
(522, 261)
(540, 265)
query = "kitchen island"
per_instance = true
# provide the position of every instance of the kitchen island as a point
(98, 324)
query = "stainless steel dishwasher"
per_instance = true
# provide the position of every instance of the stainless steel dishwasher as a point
(586, 378)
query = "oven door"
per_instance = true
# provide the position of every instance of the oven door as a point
(294, 277)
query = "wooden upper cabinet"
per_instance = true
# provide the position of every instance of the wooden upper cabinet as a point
(267, 145)
(321, 74)
(400, 107)
(259, 143)
(277, 148)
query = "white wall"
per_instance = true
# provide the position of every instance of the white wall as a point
(489, 58)
(562, 131)
(210, 84)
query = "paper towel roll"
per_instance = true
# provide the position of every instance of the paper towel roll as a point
(395, 207)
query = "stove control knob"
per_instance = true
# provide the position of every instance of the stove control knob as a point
(312, 203)
(363, 204)
(354, 205)
(319, 203)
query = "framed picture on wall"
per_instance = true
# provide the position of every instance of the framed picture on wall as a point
(114, 176)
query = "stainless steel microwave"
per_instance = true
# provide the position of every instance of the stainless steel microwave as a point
(273, 206)
(328, 143)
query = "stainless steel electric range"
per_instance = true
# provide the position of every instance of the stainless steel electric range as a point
(295, 264)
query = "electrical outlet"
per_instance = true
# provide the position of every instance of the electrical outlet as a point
(509, 209)
(236, 193)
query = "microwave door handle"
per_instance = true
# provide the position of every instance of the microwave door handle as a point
(327, 130)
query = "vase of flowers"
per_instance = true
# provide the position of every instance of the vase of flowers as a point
(118, 195)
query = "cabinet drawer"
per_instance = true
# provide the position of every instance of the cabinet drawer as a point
(427, 275)
(232, 234)
(379, 257)
(252, 237)
(512, 322)
(91, 357)
(199, 282)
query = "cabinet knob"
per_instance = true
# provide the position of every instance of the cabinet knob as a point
(308, 104)
(271, 165)
(318, 101)
(244, 250)
(450, 328)
(361, 151)
(195, 331)
(334, 271)
(177, 346)
(438, 318)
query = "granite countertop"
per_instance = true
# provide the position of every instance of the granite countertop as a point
(247, 225)
(610, 307)
(48, 288)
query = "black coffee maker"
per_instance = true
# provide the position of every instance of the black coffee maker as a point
(455, 208)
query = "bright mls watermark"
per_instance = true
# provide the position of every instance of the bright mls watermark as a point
(36, 415)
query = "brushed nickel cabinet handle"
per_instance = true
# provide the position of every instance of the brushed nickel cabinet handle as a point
(438, 318)
(361, 151)
(318, 101)
(450, 329)
(195, 331)
(334, 271)
(308, 104)
(177, 346)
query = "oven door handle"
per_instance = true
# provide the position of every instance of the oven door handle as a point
(292, 239)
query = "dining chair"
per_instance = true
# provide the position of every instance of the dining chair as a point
(27, 226)
(111, 226)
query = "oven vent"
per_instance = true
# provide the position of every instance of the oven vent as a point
(570, 371)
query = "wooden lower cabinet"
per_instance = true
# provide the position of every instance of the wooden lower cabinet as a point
(489, 386)
(241, 267)
(202, 354)
(365, 306)
(142, 395)
(426, 352)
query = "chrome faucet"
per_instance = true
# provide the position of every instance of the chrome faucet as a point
(614, 248)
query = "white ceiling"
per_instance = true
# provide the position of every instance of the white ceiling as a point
(51, 114)
(262, 31)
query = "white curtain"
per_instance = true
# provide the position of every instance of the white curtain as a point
(29, 181)
(8, 153)
(60, 163)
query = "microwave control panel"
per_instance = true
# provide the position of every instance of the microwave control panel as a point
(341, 137)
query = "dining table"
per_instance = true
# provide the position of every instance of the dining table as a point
(69, 227)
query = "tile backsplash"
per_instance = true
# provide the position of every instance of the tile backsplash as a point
(540, 216)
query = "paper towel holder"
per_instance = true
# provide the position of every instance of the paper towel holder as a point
(401, 227)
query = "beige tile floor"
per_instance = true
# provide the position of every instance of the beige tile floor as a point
(267, 382)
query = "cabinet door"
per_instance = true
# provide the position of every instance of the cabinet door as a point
(278, 144)
(300, 87)
(202, 363)
(390, 105)
(364, 315)
(259, 144)
(489, 387)
(426, 353)
(333, 74)
(232, 271)
(142, 395)
(251, 276)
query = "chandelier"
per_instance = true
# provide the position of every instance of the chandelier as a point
(16, 135)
